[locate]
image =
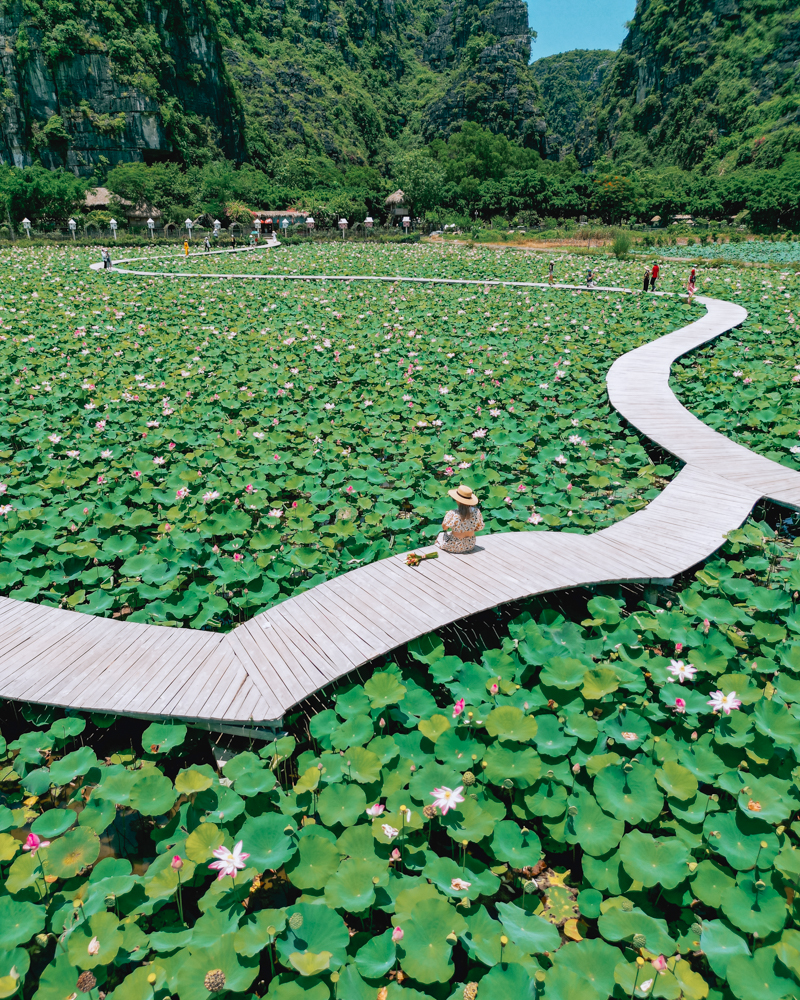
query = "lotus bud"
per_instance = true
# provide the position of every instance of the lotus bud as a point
(94, 946)
(627, 905)
(177, 862)
(382, 723)
(395, 855)
(86, 982)
(639, 941)
(296, 921)
(41, 940)
(468, 778)
(576, 768)
(215, 981)
(398, 934)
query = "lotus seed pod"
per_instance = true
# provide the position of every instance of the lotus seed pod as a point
(573, 810)
(86, 982)
(508, 783)
(296, 921)
(530, 886)
(470, 991)
(334, 977)
(627, 905)
(468, 778)
(639, 941)
(639, 959)
(764, 845)
(271, 931)
(503, 940)
(152, 978)
(539, 976)
(484, 764)
(451, 938)
(697, 928)
(375, 880)
(429, 811)
(215, 981)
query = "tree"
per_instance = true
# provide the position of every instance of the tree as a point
(422, 181)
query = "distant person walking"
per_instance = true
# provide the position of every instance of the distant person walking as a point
(646, 282)
(589, 277)
(106, 258)
(550, 273)
(691, 288)
(207, 244)
(186, 248)
(654, 277)
(233, 242)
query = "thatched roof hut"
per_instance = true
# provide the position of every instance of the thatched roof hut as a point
(397, 198)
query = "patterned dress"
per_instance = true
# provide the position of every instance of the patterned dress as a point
(454, 522)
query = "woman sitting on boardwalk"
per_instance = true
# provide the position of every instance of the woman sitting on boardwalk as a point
(460, 525)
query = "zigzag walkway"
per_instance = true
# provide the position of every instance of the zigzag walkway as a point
(255, 673)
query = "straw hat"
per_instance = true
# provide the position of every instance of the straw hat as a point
(463, 495)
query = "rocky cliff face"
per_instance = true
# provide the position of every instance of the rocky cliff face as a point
(74, 109)
(569, 84)
(258, 78)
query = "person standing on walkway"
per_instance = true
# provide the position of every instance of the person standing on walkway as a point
(459, 526)
(207, 244)
(691, 288)
(106, 258)
(646, 282)
(550, 273)
(654, 277)
(589, 277)
(186, 248)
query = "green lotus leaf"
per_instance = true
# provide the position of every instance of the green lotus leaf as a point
(255, 782)
(55, 975)
(739, 840)
(65, 729)
(356, 731)
(754, 906)
(484, 941)
(161, 738)
(654, 861)
(68, 854)
(596, 831)
(425, 951)
(533, 934)
(19, 921)
(202, 842)
(258, 932)
(443, 871)
(53, 823)
(552, 740)
(352, 887)
(384, 689)
(520, 848)
(756, 977)
(719, 943)
(104, 927)
(167, 941)
(362, 765)
(509, 723)
(69, 767)
(321, 929)
(25, 871)
(630, 793)
(677, 781)
(589, 901)
(774, 720)
(377, 956)
(14, 966)
(522, 766)
(769, 798)
(309, 964)
(433, 727)
(628, 975)
(565, 983)
(269, 839)
(98, 814)
(471, 821)
(455, 748)
(426, 648)
(137, 984)
(564, 672)
(599, 682)
(620, 925)
(315, 861)
(239, 970)
(343, 804)
(152, 793)
(709, 882)
(606, 609)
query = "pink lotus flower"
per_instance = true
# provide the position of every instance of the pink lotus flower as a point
(171, 446)
(678, 647)
(249, 488)
(33, 842)
(182, 493)
(93, 946)
(177, 862)
(458, 708)
(395, 855)
(459, 885)
(398, 934)
(389, 831)
(681, 671)
(237, 557)
(680, 706)
(660, 964)
(101, 480)
(136, 474)
(229, 862)
(494, 689)
(445, 798)
(724, 702)
(375, 810)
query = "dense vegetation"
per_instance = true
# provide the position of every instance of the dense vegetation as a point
(194, 452)
(590, 804)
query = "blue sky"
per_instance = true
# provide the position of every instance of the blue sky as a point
(578, 24)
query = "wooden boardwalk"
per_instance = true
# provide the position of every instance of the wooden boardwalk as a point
(255, 673)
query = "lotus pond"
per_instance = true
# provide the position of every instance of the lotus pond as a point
(189, 451)
(749, 252)
(602, 803)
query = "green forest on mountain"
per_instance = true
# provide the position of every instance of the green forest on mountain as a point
(331, 104)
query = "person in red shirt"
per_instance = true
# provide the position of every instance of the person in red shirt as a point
(654, 277)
